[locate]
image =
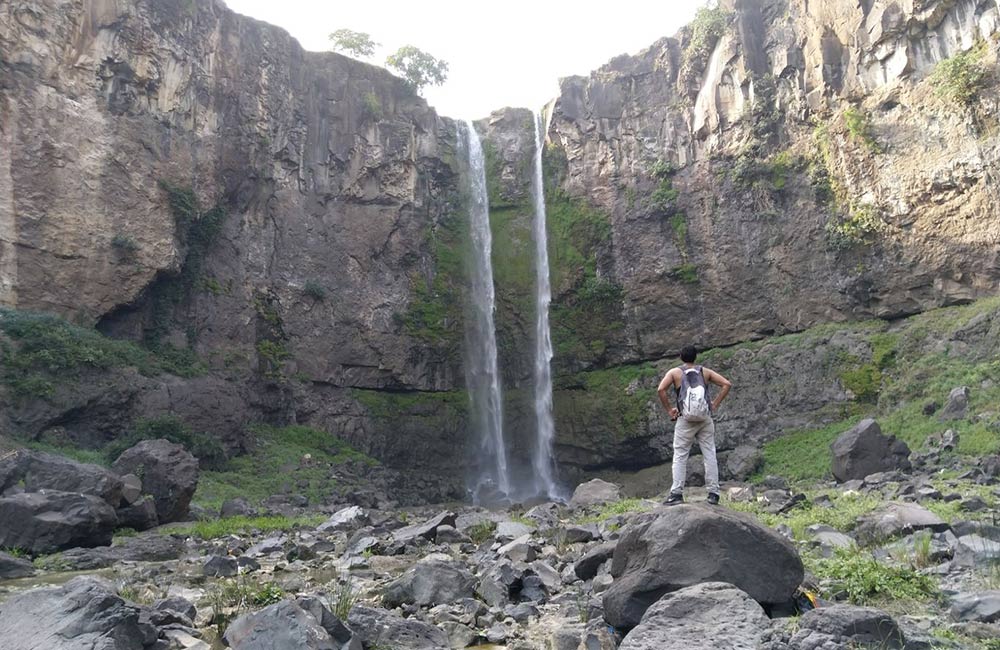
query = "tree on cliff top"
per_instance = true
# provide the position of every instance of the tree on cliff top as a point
(357, 44)
(418, 67)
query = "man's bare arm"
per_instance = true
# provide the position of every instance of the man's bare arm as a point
(661, 391)
(718, 380)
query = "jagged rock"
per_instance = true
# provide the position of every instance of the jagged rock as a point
(510, 530)
(168, 472)
(346, 519)
(983, 607)
(427, 529)
(431, 581)
(847, 626)
(50, 472)
(519, 550)
(863, 450)
(44, 522)
(140, 516)
(498, 583)
(221, 567)
(593, 493)
(131, 489)
(282, 625)
(828, 539)
(707, 615)
(586, 567)
(177, 604)
(14, 567)
(894, 519)
(544, 515)
(957, 405)
(329, 622)
(459, 635)
(82, 614)
(972, 550)
(548, 575)
(742, 462)
(448, 535)
(684, 545)
(238, 507)
(374, 626)
(581, 533)
(268, 545)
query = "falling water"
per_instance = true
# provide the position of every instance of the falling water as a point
(544, 483)
(482, 375)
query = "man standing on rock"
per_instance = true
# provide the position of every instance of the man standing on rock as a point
(693, 414)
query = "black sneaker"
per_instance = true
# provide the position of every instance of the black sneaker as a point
(713, 498)
(674, 499)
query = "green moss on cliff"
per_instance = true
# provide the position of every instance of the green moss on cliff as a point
(284, 460)
(39, 352)
(390, 405)
(434, 314)
(615, 400)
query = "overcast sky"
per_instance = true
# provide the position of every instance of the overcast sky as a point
(509, 53)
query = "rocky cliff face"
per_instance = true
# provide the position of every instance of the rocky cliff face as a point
(174, 173)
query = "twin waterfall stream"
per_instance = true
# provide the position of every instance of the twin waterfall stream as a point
(492, 480)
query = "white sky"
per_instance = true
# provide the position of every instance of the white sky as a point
(509, 53)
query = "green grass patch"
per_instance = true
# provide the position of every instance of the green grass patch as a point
(842, 515)
(623, 507)
(866, 581)
(804, 454)
(961, 77)
(283, 460)
(240, 525)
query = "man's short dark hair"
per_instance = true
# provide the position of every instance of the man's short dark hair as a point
(688, 354)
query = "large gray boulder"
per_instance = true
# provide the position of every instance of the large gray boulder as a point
(377, 627)
(594, 492)
(49, 521)
(83, 614)
(169, 474)
(282, 625)
(50, 472)
(684, 545)
(707, 616)
(895, 519)
(434, 580)
(863, 450)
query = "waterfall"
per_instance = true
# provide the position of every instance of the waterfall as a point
(482, 375)
(542, 461)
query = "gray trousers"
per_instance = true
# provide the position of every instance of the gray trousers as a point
(685, 433)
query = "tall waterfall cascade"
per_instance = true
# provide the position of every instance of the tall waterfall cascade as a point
(492, 480)
(542, 460)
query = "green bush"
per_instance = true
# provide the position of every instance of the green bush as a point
(372, 106)
(481, 532)
(861, 227)
(205, 447)
(961, 77)
(707, 28)
(314, 290)
(866, 581)
(687, 273)
(860, 128)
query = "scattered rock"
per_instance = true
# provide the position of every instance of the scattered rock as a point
(846, 626)
(743, 461)
(221, 567)
(593, 493)
(168, 472)
(379, 627)
(349, 518)
(49, 472)
(282, 625)
(131, 489)
(894, 519)
(685, 545)
(983, 607)
(863, 450)
(427, 529)
(957, 406)
(14, 567)
(238, 507)
(140, 516)
(707, 615)
(82, 614)
(508, 530)
(44, 522)
(586, 567)
(431, 581)
(519, 550)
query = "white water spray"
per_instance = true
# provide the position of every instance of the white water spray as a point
(482, 374)
(542, 459)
